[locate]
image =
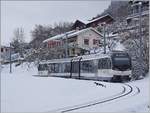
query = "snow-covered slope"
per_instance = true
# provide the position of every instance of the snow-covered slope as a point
(22, 92)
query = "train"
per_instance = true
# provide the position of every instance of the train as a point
(114, 67)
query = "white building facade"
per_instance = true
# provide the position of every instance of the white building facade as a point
(78, 41)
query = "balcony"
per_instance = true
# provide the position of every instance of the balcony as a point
(136, 14)
(73, 44)
(134, 11)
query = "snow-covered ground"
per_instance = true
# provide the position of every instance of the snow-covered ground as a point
(22, 92)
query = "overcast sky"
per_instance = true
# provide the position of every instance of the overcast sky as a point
(26, 14)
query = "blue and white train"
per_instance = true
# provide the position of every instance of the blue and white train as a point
(107, 67)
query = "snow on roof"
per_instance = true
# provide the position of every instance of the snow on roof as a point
(111, 35)
(119, 47)
(93, 20)
(85, 21)
(59, 36)
(100, 18)
(70, 34)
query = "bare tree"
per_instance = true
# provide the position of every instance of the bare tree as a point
(41, 32)
(132, 43)
(18, 40)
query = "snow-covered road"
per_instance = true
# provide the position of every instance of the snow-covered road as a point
(22, 92)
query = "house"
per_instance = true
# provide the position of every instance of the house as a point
(132, 22)
(77, 42)
(5, 53)
(80, 24)
(133, 16)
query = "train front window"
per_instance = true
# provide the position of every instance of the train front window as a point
(121, 63)
(42, 67)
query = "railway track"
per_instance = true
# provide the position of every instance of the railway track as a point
(126, 90)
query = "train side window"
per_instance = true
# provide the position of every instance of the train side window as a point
(56, 68)
(101, 63)
(84, 66)
(87, 66)
(60, 68)
(67, 67)
(51, 68)
(104, 63)
(108, 63)
(40, 67)
(75, 67)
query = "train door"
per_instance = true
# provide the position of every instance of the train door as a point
(75, 70)
(104, 68)
(95, 62)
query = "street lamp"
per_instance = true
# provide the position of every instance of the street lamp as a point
(10, 60)
(65, 39)
(104, 24)
(140, 35)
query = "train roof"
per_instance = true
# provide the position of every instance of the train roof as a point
(83, 58)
